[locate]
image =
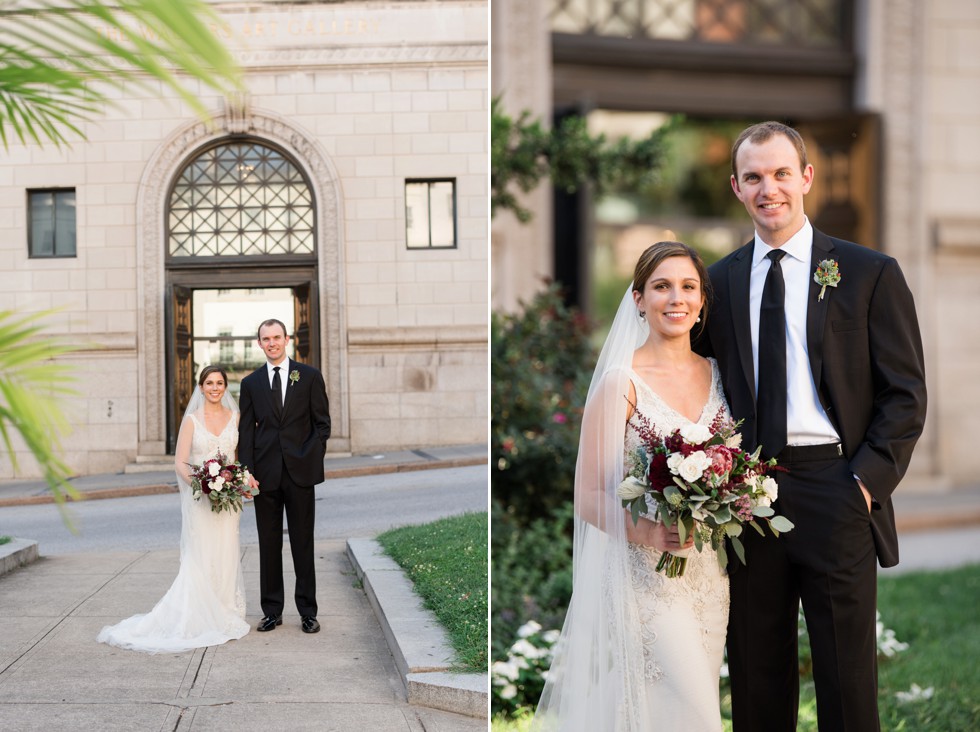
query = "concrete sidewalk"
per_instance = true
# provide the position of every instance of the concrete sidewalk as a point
(120, 485)
(54, 676)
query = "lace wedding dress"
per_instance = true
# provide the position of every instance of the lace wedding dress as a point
(682, 621)
(205, 605)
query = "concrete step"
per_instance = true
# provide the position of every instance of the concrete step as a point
(417, 641)
(17, 553)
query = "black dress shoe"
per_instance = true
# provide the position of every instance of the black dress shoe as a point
(310, 625)
(269, 622)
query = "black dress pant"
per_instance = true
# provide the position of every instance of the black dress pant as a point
(299, 505)
(828, 562)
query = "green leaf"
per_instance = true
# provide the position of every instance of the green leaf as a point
(762, 511)
(62, 60)
(672, 493)
(27, 408)
(722, 556)
(636, 509)
(781, 523)
(739, 549)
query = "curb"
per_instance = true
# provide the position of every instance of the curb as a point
(93, 495)
(158, 488)
(17, 553)
(923, 522)
(417, 641)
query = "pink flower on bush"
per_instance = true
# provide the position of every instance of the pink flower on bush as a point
(559, 418)
(227, 475)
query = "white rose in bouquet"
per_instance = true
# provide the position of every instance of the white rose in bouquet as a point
(695, 434)
(694, 466)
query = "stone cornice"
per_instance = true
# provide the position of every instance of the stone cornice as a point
(420, 336)
(363, 56)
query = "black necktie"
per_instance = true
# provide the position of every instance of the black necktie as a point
(772, 394)
(277, 391)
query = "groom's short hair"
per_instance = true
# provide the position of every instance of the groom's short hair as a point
(270, 322)
(763, 132)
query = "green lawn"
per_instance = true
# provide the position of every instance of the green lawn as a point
(5, 540)
(447, 561)
(936, 613)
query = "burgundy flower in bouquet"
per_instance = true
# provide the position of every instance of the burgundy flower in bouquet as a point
(223, 482)
(699, 478)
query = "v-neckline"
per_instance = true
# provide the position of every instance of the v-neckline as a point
(707, 402)
(204, 424)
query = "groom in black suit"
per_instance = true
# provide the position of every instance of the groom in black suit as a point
(282, 438)
(828, 377)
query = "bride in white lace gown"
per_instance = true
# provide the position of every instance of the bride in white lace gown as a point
(205, 605)
(641, 652)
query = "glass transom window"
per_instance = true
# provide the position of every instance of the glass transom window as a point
(240, 199)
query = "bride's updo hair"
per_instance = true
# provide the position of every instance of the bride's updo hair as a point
(655, 255)
(208, 370)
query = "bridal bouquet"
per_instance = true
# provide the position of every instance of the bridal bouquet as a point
(224, 483)
(699, 478)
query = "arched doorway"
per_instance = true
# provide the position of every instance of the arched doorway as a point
(240, 248)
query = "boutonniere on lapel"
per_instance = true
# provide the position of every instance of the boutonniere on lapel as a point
(293, 376)
(827, 275)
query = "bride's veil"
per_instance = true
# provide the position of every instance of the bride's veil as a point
(196, 407)
(596, 681)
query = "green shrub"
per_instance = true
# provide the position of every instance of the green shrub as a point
(532, 574)
(541, 364)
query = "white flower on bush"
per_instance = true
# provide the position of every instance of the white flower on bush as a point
(507, 670)
(628, 490)
(518, 681)
(694, 466)
(695, 434)
(915, 694)
(214, 469)
(888, 644)
(674, 462)
(528, 629)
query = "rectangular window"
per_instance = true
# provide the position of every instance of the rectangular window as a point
(51, 223)
(430, 213)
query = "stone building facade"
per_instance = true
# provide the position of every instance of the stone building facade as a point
(916, 68)
(359, 107)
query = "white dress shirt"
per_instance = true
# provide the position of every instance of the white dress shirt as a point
(283, 375)
(806, 421)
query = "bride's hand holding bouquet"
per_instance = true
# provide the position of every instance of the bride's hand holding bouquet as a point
(225, 483)
(702, 486)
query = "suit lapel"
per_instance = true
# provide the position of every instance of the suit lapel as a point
(816, 312)
(738, 291)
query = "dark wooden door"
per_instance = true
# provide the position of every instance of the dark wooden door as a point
(845, 200)
(180, 357)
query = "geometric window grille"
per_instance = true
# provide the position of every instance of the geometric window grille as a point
(240, 198)
(813, 23)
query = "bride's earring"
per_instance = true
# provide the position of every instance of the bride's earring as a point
(698, 320)
(643, 315)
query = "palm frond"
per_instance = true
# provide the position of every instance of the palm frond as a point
(29, 381)
(60, 58)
